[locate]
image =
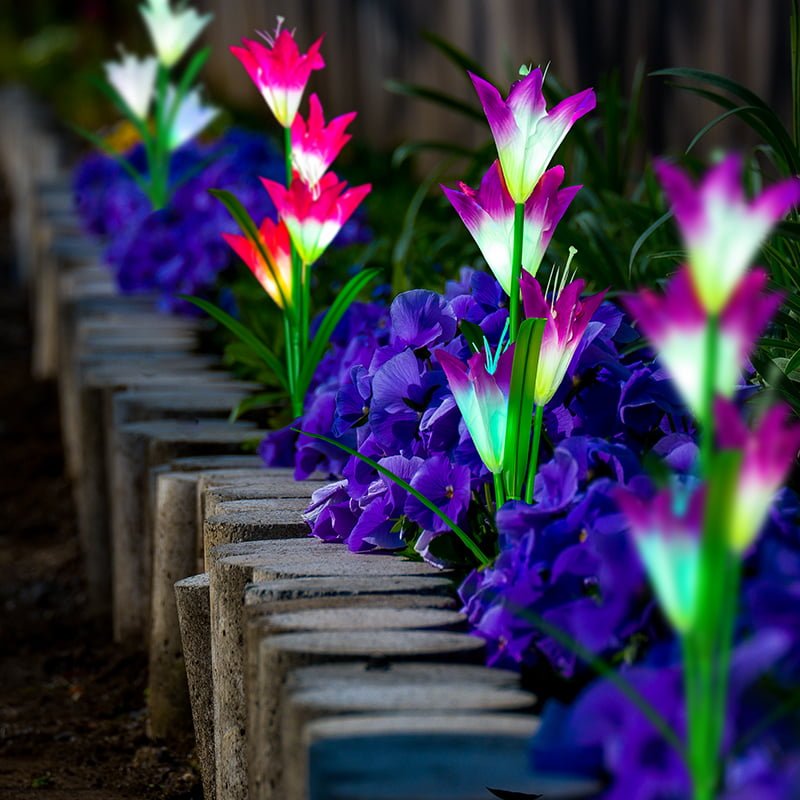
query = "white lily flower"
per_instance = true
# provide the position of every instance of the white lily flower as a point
(192, 117)
(172, 30)
(135, 80)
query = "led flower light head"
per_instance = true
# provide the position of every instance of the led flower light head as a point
(721, 229)
(277, 281)
(279, 70)
(314, 218)
(666, 531)
(134, 79)
(488, 214)
(566, 315)
(526, 134)
(172, 30)
(191, 118)
(315, 145)
(676, 324)
(768, 453)
(480, 388)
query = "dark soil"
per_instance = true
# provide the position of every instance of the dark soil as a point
(72, 706)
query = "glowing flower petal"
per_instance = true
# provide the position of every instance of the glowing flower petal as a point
(488, 214)
(279, 70)
(192, 117)
(134, 79)
(526, 134)
(172, 31)
(722, 230)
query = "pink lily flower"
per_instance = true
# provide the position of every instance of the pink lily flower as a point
(488, 214)
(275, 239)
(526, 135)
(315, 146)
(567, 317)
(676, 324)
(314, 218)
(721, 229)
(666, 531)
(768, 453)
(481, 388)
(279, 70)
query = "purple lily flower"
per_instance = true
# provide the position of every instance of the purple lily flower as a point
(666, 530)
(722, 230)
(526, 134)
(768, 454)
(567, 319)
(488, 214)
(676, 324)
(481, 393)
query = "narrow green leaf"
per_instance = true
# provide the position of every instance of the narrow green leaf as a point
(250, 230)
(255, 401)
(408, 149)
(241, 333)
(716, 121)
(191, 72)
(473, 334)
(455, 55)
(472, 546)
(434, 96)
(110, 91)
(100, 144)
(516, 454)
(639, 243)
(343, 301)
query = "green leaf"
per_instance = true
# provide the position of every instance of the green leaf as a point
(197, 62)
(343, 301)
(110, 91)
(484, 560)
(435, 96)
(249, 229)
(473, 334)
(255, 401)
(408, 149)
(241, 333)
(639, 243)
(516, 454)
(716, 121)
(455, 55)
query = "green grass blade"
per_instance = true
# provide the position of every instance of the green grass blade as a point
(253, 402)
(455, 55)
(516, 454)
(243, 334)
(343, 301)
(472, 546)
(639, 243)
(100, 144)
(434, 96)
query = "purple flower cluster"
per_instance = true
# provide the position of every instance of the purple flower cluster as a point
(179, 249)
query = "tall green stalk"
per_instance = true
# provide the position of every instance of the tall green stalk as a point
(707, 400)
(516, 270)
(534, 459)
(158, 151)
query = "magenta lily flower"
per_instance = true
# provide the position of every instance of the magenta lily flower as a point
(768, 454)
(721, 229)
(315, 145)
(526, 134)
(279, 70)
(314, 218)
(567, 316)
(488, 214)
(275, 240)
(480, 388)
(676, 324)
(666, 531)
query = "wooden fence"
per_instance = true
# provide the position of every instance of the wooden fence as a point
(368, 42)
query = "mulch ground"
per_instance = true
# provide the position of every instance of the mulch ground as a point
(72, 706)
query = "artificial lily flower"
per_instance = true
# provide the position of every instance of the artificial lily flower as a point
(567, 317)
(134, 79)
(676, 324)
(277, 281)
(279, 70)
(315, 145)
(488, 214)
(666, 531)
(314, 218)
(172, 31)
(526, 134)
(480, 388)
(768, 453)
(721, 229)
(191, 118)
